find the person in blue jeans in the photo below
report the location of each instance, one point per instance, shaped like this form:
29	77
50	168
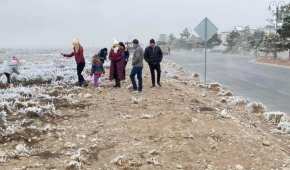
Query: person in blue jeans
137	63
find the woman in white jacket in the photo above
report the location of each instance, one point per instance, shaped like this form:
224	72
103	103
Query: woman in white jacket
9	68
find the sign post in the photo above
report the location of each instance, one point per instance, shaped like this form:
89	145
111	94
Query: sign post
206	30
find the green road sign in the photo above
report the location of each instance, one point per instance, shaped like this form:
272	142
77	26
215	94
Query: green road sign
206	29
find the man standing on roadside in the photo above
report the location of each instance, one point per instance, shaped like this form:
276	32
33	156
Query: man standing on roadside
137	63
153	56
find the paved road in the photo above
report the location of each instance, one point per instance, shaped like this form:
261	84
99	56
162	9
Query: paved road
268	84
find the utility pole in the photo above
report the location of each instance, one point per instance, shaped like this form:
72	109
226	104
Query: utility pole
275	7
205	51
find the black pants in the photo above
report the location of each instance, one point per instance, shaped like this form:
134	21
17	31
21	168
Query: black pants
137	71
8	77
117	83
80	68
116	77
154	67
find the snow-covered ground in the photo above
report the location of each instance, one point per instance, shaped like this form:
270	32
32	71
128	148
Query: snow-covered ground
44	83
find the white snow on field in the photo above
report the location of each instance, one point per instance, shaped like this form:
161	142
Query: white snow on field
30	96
45	68
13	93
50	72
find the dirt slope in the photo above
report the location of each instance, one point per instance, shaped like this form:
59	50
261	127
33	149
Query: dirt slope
178	126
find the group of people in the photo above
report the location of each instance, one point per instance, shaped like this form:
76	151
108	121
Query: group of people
119	57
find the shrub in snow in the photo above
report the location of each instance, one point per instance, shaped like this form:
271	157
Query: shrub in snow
255	107
44	98
17	92
215	86
73	165
10	129
284	126
274	117
195	75
33	112
19	105
39	111
22	150
224	114
225	93
81	155
3	157
200	85
237	100
78	158
6	107
3	120
223	100
118	160
285	118
136	100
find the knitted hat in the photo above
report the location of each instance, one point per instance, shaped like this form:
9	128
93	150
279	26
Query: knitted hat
135	41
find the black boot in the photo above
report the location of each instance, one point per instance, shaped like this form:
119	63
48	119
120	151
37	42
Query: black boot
118	84
159	84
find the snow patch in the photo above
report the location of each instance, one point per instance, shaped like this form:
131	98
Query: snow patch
237	100
284	126
274	117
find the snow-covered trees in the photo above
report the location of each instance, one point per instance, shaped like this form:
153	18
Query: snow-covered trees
284	33
244	40
272	44
232	41
185	34
188	41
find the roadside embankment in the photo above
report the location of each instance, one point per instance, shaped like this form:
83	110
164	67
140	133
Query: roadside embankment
183	125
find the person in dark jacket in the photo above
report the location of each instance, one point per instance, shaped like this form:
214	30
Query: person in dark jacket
78	53
153	56
103	53
125	54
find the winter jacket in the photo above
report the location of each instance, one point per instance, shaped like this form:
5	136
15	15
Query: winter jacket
153	55
103	55
115	57
79	55
137	60
117	65
97	69
126	55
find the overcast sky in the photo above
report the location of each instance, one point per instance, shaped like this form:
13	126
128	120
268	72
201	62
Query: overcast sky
54	23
